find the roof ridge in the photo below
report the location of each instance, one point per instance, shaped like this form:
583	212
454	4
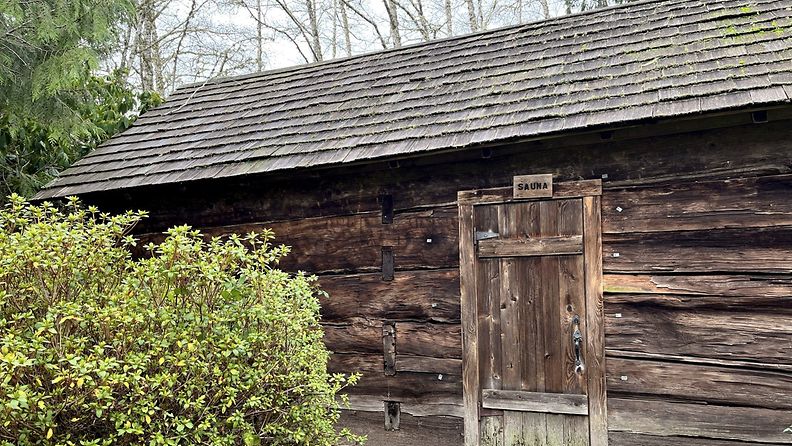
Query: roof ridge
338	60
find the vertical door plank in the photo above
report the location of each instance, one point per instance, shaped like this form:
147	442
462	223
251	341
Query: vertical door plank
576	431
470	363
555	429
572	297
488	304
492	431
530	287
535	428
595	338
510	303
551	333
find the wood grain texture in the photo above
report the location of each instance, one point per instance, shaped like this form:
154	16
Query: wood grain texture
418	239
719	334
743	250
517	400
415	338
435	430
423	386
632	439
418	296
492	431
538	246
670	419
702	383
470	359
772	288
595	318
716	204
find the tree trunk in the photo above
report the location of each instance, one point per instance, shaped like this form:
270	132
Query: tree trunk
449	18
314	27
259	38
393	18
345	24
472	15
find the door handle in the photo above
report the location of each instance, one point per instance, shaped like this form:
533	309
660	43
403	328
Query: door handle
577	341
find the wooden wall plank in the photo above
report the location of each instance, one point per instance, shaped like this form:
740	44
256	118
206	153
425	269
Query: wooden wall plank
439	431
670	419
770	287
733	335
411	363
716	204
403	386
699	383
747	250
425	295
414	338
753	303
631	439
425	238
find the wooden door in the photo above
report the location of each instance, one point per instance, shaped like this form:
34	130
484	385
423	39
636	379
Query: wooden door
532	317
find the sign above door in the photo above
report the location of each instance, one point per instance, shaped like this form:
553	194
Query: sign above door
533	186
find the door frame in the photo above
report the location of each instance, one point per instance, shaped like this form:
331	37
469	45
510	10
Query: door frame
590	191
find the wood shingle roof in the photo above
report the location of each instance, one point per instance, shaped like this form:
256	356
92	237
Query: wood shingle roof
653	59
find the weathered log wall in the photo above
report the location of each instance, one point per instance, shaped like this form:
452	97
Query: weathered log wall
697	241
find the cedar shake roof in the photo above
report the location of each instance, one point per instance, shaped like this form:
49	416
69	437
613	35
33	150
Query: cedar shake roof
653	59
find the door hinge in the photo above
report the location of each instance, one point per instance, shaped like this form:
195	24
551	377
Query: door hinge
486	235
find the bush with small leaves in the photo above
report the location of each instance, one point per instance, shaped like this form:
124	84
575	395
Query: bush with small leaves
201	343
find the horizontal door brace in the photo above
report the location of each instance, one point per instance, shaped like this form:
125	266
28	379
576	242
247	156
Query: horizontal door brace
521	401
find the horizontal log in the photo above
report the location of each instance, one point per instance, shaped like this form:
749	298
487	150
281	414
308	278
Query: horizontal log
630	439
435	430
770	286
407	386
749	250
412	338
410	363
427	295
699	383
538	246
752	303
450	406
555	403
761	337
698	360
671	419
716	204
426	238
420	239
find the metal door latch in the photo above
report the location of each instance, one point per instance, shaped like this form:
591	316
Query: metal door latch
577	340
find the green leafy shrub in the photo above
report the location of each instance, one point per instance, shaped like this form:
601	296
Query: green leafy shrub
201	343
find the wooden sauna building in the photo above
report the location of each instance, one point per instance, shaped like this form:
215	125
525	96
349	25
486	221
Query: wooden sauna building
571	232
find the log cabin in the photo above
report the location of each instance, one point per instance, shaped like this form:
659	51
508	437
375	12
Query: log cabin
576	231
